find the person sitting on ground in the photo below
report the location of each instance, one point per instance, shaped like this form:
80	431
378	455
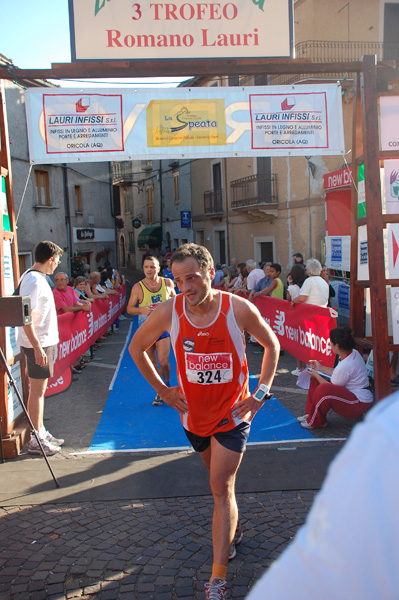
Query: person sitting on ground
276	288
314	289
324	275
81	288
65	297
264	282
348	393
298	276
254	274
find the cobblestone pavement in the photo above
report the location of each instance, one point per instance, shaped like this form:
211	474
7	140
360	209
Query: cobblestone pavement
149	549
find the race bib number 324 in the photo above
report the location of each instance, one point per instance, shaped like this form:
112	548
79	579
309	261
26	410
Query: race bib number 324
209	369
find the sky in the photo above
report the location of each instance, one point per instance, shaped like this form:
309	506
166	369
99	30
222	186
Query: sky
35	33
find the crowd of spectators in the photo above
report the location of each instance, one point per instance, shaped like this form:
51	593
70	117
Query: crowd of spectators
79	294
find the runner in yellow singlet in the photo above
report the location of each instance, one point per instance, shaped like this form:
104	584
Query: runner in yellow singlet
145	296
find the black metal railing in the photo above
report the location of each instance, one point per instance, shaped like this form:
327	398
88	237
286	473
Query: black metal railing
253	190
213	202
319	51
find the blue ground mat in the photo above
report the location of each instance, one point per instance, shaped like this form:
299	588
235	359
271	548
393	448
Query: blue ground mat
130	422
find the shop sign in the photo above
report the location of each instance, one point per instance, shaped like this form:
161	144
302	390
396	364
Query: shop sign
338	179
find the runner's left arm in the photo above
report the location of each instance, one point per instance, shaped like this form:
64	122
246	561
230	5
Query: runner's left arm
249	319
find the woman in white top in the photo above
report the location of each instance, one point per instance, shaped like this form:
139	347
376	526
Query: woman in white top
348	394
314	289
297	277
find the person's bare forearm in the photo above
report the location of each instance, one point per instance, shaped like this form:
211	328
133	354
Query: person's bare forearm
31	335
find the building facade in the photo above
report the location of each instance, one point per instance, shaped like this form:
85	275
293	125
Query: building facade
70	204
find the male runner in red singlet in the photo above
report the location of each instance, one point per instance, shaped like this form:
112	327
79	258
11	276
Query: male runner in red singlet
207	332
146	295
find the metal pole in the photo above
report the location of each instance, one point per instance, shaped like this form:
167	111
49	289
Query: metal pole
14	385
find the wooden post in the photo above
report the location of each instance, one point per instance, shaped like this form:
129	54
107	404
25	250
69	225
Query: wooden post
375	227
14	432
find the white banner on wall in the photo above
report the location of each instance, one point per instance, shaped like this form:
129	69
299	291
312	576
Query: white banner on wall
95	125
115	30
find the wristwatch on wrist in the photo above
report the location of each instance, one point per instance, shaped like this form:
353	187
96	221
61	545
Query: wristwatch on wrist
261	392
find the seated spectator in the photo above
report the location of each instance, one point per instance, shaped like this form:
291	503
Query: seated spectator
96	290
67	300
107	285
348	393
324	275
82	288
314	289
264	282
254	274
65	297
276	288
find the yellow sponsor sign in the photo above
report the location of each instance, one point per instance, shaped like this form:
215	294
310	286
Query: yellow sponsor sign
186	123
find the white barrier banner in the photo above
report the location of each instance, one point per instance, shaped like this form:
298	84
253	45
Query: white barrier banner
115	30
96	125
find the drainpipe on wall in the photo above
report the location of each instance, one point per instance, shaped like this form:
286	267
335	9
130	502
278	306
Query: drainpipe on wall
67	216
161	202
227	213
112	211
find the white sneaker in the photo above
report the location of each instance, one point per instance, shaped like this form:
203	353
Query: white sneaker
216	589
296	372
49	449
303	418
306	425
122	318
50	438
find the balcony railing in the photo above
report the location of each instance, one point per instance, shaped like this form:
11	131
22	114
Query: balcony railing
213	202
319	51
122	172
254	190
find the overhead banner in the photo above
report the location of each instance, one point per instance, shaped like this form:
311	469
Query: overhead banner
115	30
96	125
